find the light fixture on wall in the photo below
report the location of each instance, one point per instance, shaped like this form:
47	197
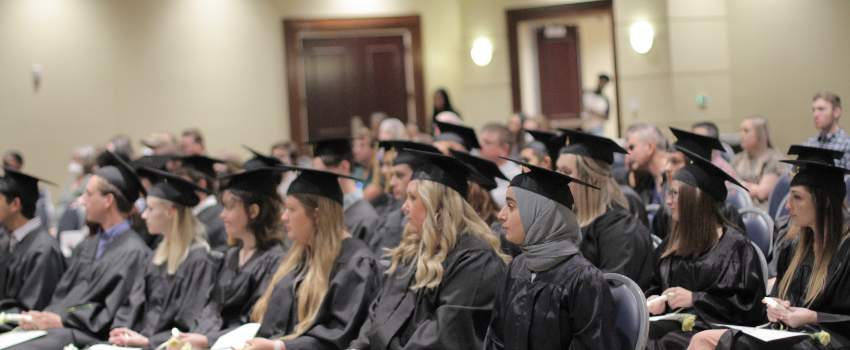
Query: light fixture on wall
641	36
482	52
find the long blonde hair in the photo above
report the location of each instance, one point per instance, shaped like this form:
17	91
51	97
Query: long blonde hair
186	231
448	215
590	203
763	134
824	241
318	259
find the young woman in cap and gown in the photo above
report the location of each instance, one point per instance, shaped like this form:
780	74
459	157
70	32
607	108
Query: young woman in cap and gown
612	238
480	198
320	295
445	273
103	267
813	288
31	262
551	297
706	266
251	214
176	281
703	147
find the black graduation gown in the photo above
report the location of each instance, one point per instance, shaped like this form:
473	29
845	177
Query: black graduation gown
726	282
568	306
617	242
663	220
361	220
236	291
355	280
508	247
454	315
832	306
388	234
30	273
636	206
216	235
384	203
160	302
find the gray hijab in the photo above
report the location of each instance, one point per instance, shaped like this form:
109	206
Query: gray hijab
552	233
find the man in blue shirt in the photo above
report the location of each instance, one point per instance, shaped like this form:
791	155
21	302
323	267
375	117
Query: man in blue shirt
826	109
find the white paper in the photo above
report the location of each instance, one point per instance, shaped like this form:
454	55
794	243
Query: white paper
766	335
10	339
110	347
672	317
236	338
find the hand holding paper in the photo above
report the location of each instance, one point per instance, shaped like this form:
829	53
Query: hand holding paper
679	297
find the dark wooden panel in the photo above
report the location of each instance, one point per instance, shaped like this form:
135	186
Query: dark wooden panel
560	74
327	82
385	77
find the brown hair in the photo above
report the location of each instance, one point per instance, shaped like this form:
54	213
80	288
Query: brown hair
829	234
702	214
591	203
830	97
483	203
265	226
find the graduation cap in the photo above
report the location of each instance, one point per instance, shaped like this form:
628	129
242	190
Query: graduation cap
463	135
259	181
317	182
158	161
486	171
203	164
259	161
442	169
588	145
548	142
705	175
820	175
175	188
547	183
699	144
25	185
403	157
815	154
331	147
120	174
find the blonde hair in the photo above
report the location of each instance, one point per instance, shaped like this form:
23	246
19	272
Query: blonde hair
448	216
763	135
318	259
186	231
590	203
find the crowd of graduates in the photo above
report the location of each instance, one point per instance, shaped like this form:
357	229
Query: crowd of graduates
452	242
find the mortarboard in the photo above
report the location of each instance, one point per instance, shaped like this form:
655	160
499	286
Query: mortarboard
332	147
203	164
259	161
260	181
547	183
121	175
463	135
705	175
442	169
815	154
698	144
588	145
487	169
175	188
402	157
25	185
317	182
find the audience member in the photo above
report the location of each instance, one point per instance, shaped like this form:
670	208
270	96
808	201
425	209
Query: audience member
826	109
758	164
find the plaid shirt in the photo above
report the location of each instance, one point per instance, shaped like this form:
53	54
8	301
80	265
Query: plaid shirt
22	232
838	141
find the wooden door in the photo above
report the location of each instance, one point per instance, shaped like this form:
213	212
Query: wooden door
354	76
560	74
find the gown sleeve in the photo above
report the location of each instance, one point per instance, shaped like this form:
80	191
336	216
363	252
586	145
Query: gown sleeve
131	312
43	270
494	337
345	308
592	312
465	304
622	245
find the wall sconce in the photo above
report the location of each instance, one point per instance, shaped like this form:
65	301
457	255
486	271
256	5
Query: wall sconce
482	52
641	36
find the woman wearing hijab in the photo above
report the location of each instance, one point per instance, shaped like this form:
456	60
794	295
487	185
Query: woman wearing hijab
444	275
706	266
552	298
814	286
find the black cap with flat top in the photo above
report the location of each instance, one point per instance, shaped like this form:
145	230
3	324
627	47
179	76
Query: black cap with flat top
705	176
486	171
547	183
696	143
340	146
120	174
203	164
551	142
24	184
175	188
592	146
260	181
402	157
815	154
259	161
463	135
442	169
815	167
157	161
317	182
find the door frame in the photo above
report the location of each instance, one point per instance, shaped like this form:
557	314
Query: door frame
514	17
294	30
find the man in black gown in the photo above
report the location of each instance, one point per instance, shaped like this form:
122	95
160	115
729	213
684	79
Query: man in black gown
335	155
31	262
200	170
103	268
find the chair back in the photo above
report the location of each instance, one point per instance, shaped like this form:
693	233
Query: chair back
739	197
759	227
782	187
632	315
